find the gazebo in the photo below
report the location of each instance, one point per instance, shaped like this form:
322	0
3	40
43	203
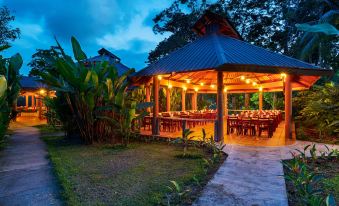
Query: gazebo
220	62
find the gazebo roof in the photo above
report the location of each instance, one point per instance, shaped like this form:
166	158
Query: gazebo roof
220	49
31	83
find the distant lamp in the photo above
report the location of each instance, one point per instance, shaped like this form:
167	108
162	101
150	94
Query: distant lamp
254	84
202	84
225	89
260	89
212	86
184	88
248	81
196	89
242	77
159	77
42	91
170	86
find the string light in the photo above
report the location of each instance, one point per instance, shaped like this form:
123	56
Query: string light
159	77
188	81
248	81
196	89
242	77
212	86
260	88
225	89
202	84
42	91
283	76
254	83
170	86
184	88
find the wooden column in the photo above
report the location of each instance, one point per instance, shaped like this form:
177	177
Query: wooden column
148	95
168	99
247	100
194	100
155	122
220	106
288	107
226	103
183	100
26	98
260	100
33	101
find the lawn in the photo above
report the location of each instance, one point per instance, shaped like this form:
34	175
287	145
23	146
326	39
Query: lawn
136	175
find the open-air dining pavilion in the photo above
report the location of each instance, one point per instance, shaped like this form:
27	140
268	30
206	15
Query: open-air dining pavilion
220	62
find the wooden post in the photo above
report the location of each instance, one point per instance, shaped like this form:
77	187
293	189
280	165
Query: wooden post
226	103
194	100
148	96
260	100
168	99
220	106
247	100
33	101
288	107
183	100
26	98
155	122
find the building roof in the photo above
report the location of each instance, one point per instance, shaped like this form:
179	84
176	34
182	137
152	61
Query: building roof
31	83
105	55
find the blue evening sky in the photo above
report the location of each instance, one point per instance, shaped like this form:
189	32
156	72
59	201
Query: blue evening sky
124	27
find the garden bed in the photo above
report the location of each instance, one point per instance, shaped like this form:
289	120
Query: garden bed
308	133
326	167
137	175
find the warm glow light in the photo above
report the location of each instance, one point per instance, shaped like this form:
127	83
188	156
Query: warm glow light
170	86
254	83
159	77
196	89
42	91
225	89
212	86
283	76
242	77
260	88
184	88
188	81
248	81
202	84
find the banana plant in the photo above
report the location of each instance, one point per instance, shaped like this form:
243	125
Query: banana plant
9	89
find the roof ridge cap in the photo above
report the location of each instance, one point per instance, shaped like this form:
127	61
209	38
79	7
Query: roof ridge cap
218	50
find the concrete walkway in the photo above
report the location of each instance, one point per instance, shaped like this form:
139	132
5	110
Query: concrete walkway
251	176
25	173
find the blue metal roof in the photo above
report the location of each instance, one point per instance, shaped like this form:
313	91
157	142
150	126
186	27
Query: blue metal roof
31	83
105	55
221	52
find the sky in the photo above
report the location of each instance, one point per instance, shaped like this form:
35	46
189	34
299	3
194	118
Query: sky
124	27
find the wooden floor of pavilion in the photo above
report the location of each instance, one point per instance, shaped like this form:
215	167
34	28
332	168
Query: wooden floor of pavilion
278	138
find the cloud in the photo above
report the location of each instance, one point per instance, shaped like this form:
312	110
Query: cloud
114	24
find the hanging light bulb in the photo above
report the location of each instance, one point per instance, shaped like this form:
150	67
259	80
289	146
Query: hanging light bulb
260	89
254	83
188	81
202	84
212	86
184	88
196	89
170	86
248	81
159	77
242	77
225	89
283	76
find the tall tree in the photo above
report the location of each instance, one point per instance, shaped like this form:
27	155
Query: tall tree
7	32
40	62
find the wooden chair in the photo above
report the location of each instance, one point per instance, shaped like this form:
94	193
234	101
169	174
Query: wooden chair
233	125
265	125
147	122
247	127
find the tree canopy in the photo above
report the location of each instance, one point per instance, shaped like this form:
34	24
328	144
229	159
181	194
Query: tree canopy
7	32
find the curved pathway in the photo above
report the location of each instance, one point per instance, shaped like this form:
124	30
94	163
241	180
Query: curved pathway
251	176
25	173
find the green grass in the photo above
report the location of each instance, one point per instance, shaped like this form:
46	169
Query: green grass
113	175
46	129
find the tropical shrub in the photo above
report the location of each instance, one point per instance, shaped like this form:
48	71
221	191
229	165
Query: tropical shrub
98	103
9	90
306	181
319	108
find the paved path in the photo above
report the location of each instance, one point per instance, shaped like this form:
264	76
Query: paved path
251	176
25	173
